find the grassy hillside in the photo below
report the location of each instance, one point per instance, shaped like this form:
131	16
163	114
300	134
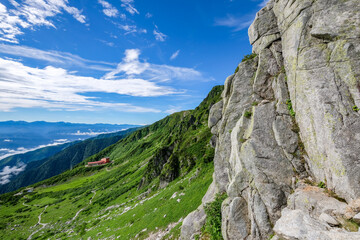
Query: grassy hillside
159	175
61	161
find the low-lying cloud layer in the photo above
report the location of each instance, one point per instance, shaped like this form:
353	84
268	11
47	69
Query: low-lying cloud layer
9	172
91	133
6	152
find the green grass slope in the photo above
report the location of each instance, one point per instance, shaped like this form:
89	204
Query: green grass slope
159	174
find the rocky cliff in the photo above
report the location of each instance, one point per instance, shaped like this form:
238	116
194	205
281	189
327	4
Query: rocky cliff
287	130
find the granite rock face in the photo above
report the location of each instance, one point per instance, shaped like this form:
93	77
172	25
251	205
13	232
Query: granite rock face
288	119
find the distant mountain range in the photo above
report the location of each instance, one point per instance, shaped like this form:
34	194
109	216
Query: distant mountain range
20	136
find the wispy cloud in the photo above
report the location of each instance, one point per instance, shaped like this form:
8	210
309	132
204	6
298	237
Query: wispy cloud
159	36
55	57
148	15
108	9
57	89
263	3
173	109
174	55
110	44
129	6
9	172
236	23
130	28
32	13
131	66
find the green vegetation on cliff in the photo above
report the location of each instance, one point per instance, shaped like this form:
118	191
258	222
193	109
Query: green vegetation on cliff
159	174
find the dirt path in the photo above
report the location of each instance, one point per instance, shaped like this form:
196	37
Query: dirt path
78	212
94	192
38	223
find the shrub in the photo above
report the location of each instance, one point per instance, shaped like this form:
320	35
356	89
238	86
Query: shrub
247	114
237	69
249	57
213	217
321	185
355	108
2	225
291	110
81	229
334	195
350	225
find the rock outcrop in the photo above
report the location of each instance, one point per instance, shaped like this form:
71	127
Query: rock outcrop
288	119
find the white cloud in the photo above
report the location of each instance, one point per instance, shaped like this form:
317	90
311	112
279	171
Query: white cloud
131	66
9	172
173	109
159	36
55	88
263	3
91	133
56	57
108	9
110	44
129	6
6	152
148	15
122	16
174	55
130	28
8	140
235	23
13	2
31	13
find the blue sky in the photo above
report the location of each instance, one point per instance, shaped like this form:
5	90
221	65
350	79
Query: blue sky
116	61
